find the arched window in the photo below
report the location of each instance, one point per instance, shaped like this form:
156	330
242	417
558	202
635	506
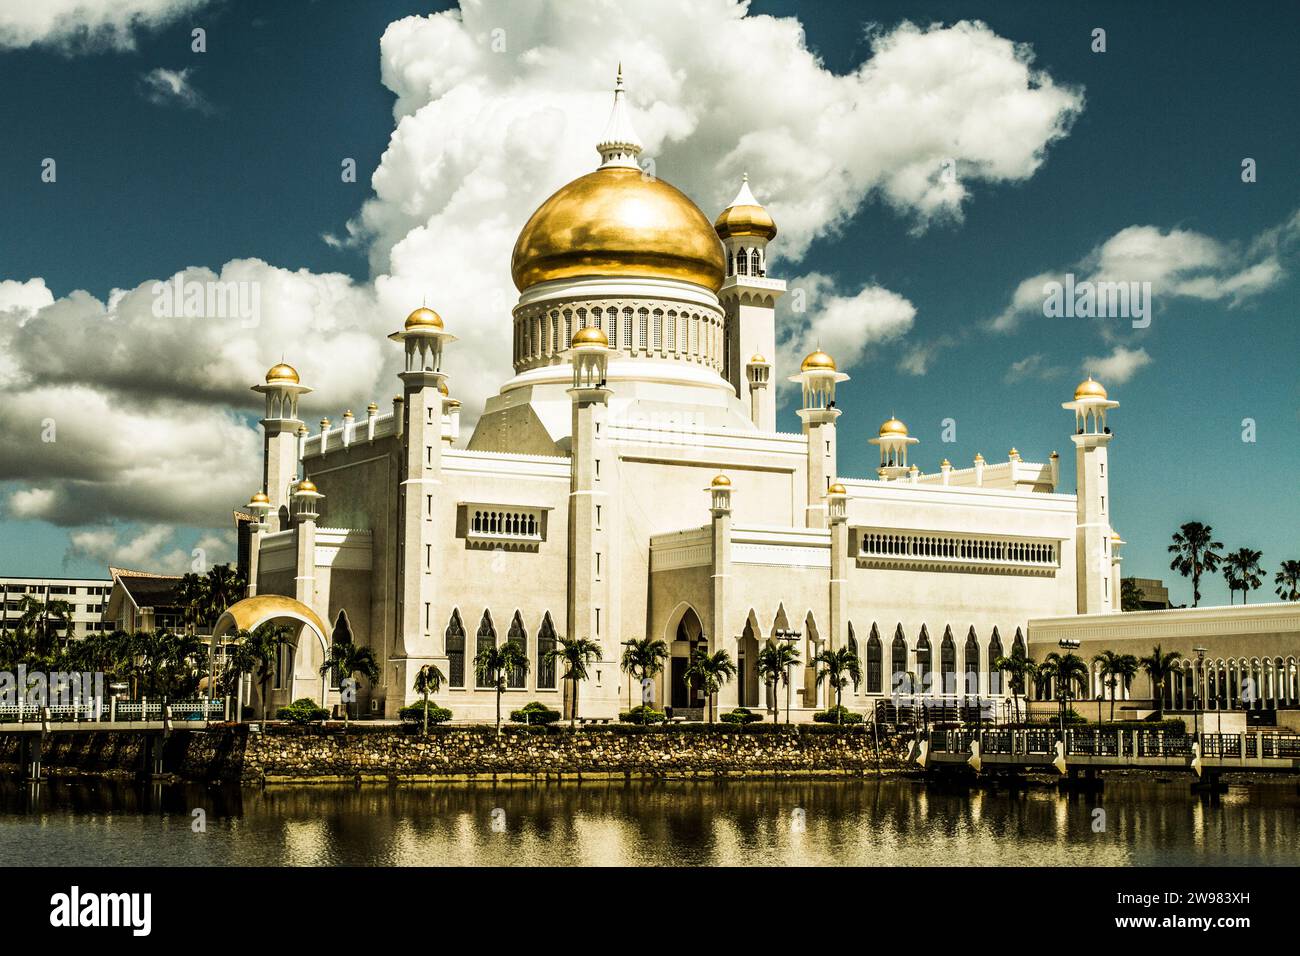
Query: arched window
627	329
1018	645
995	652
545	644
898	663
948	663
742	263
874	662
856	651
754	266
658	340
486	641
455	638
519	637
971	659
925	662
643	322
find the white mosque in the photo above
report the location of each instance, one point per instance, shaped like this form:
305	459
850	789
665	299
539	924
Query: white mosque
629	481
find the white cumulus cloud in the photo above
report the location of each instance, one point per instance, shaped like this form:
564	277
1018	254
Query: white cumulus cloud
1117	367
85	24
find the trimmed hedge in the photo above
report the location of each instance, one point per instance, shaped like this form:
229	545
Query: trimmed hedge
414	714
741	715
304	710
643	714
837	715
534	713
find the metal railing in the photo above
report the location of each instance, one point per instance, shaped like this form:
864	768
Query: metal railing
94	711
1136	744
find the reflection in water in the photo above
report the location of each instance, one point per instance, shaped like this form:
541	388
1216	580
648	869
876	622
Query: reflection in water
869	822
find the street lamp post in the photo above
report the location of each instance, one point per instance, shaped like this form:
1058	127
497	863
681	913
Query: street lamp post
1196	691
1063	686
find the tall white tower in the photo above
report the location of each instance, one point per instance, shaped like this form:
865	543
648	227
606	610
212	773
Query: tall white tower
818	376
1092	536
748	299
280	445
422	337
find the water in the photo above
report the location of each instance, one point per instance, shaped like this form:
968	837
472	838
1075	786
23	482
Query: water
891	822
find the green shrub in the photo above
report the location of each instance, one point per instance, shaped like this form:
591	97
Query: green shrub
741	715
534	713
837	715
414	714
304	710
643	714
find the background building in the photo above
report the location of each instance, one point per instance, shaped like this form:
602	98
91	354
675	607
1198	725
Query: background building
85	596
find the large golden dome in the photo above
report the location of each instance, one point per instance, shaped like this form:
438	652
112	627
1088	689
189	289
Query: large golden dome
618	222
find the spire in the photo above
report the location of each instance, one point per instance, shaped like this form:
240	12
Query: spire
744	197
619	145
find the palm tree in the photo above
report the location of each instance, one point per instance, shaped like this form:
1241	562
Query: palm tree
346	661
774	663
710	671
1116	669
1288	581
255	653
642	659
1159	666
429	680
491	666
1068	673
191	596
578	654
1019	667
1243	573
41	621
838	667
223	586
1195	552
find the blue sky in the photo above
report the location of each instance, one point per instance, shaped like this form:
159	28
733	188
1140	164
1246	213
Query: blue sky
248	168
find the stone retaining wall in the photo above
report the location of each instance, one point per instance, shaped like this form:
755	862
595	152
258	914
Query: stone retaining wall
310	753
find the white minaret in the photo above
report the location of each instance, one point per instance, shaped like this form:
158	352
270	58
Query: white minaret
280	445
818	376
419	499
1116	542
893	441
1092	539
748	299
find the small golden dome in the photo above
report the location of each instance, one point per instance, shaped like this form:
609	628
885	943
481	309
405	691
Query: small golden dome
443	390
1114	536
979	457
745	221
837	489
721	481
817	361
757	359
893	429
945	463
348	414
423	318
372	407
281	373
307	485
617	222
1089	388
1013	455
745	216
259	499
590	335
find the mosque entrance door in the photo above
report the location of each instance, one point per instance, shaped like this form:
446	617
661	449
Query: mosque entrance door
681	697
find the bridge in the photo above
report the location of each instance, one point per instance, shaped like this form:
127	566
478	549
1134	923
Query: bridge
1096	749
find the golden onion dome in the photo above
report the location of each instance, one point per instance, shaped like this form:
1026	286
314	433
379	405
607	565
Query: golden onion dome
423	318
307	485
281	373
590	335
945	463
617	222
745	216
259	499
1089	388
745	221
817	361
893	429
837	489
721	481
979	457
